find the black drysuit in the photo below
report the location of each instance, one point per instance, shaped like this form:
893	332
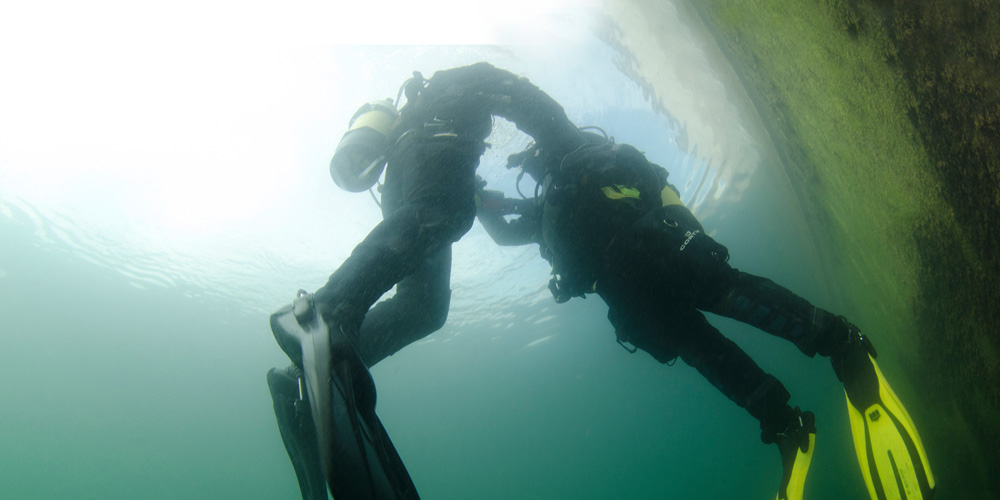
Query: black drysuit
429	203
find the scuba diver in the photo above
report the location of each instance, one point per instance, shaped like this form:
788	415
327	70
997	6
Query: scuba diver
609	222
430	149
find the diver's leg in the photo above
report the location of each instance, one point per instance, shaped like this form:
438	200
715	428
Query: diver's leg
688	333
419	308
889	448
420	304
437	208
735	374
692	268
667	333
774	309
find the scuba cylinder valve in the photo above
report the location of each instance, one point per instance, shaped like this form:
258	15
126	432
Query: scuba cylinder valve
361	155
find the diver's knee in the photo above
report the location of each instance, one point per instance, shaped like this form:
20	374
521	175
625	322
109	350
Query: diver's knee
452	220
437	319
426	312
437	313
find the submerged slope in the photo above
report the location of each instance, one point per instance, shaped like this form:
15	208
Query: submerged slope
885	122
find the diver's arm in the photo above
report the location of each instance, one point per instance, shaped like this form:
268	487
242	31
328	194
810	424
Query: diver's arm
510	233
490	211
494	91
535	113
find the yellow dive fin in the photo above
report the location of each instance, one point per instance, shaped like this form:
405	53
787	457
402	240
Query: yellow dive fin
794	479
892	458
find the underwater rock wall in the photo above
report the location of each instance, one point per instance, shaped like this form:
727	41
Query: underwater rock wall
948	54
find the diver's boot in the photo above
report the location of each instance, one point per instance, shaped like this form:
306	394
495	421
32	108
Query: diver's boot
297	431
790	428
795	442
890	453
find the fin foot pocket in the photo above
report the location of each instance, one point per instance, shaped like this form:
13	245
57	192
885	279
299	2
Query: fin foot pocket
796	445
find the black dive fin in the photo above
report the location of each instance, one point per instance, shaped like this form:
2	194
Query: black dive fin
357	456
297	432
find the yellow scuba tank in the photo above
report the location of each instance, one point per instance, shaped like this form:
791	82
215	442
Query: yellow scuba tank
361	155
